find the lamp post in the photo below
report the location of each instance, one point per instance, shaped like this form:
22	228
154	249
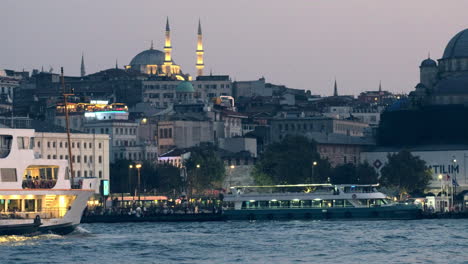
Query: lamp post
314	163
454	180
231	168
130	167
138	167
440	177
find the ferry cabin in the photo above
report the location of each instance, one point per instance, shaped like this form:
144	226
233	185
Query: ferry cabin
311	201
32	187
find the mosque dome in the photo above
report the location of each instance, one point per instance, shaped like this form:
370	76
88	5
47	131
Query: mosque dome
428	63
457	46
148	57
185	87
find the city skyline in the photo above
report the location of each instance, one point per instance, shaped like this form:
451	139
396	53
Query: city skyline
300	45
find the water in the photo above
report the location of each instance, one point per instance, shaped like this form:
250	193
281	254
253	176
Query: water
417	241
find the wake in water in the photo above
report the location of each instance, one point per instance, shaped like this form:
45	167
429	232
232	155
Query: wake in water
25	240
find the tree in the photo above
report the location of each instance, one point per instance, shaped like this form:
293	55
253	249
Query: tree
406	172
161	178
344	174
349	173
205	169
291	162
366	174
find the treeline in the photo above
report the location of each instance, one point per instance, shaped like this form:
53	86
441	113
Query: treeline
295	160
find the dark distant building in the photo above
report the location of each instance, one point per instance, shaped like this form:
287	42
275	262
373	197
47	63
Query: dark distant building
445	82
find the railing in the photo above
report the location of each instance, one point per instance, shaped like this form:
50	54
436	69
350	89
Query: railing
48	213
38	184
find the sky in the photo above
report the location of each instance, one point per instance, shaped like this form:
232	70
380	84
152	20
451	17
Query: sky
303	44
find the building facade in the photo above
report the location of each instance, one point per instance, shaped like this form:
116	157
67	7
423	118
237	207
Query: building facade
90	152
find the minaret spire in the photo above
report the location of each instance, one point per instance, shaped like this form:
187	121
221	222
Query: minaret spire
168	49
335	89
116	63
380	86
83	71
200	64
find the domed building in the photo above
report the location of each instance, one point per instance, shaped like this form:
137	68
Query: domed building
445	82
159	63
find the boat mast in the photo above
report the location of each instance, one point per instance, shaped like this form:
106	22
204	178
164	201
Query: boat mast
65	96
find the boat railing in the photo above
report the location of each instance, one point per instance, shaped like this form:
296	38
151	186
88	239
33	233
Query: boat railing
46	213
262	195
39	183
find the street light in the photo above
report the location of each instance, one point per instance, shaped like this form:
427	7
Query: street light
231	168
314	163
440	179
138	167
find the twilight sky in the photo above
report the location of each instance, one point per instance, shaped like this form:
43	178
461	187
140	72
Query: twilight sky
299	43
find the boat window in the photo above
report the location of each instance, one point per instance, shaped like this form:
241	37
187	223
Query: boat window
2	206
37	176
338	203
362	202
274	204
285	204
14	205
23	142
306	203
348	204
327	203
5	145
8	174
295	203
263	204
31	143
29	205
317	203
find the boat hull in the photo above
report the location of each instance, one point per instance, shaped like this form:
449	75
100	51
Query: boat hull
19	229
378	213
60	229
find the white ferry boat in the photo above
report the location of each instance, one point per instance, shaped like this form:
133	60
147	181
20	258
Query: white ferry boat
36	194
313	201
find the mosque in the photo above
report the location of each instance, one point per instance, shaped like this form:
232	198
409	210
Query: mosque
445	82
160	63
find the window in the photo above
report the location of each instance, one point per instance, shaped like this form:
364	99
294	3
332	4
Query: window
84	145
86	173
48	144
90	145
99	145
73	144
61	145
53	144
100	174
54	157
78	144
78	159
61	156
38	144
8	175
100	159
78	173
90	159
48	156
85	159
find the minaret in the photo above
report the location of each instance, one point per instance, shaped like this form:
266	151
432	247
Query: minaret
380	87
83	72
200	52
168	49
335	90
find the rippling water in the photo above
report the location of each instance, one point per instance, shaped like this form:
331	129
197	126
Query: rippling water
417	241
